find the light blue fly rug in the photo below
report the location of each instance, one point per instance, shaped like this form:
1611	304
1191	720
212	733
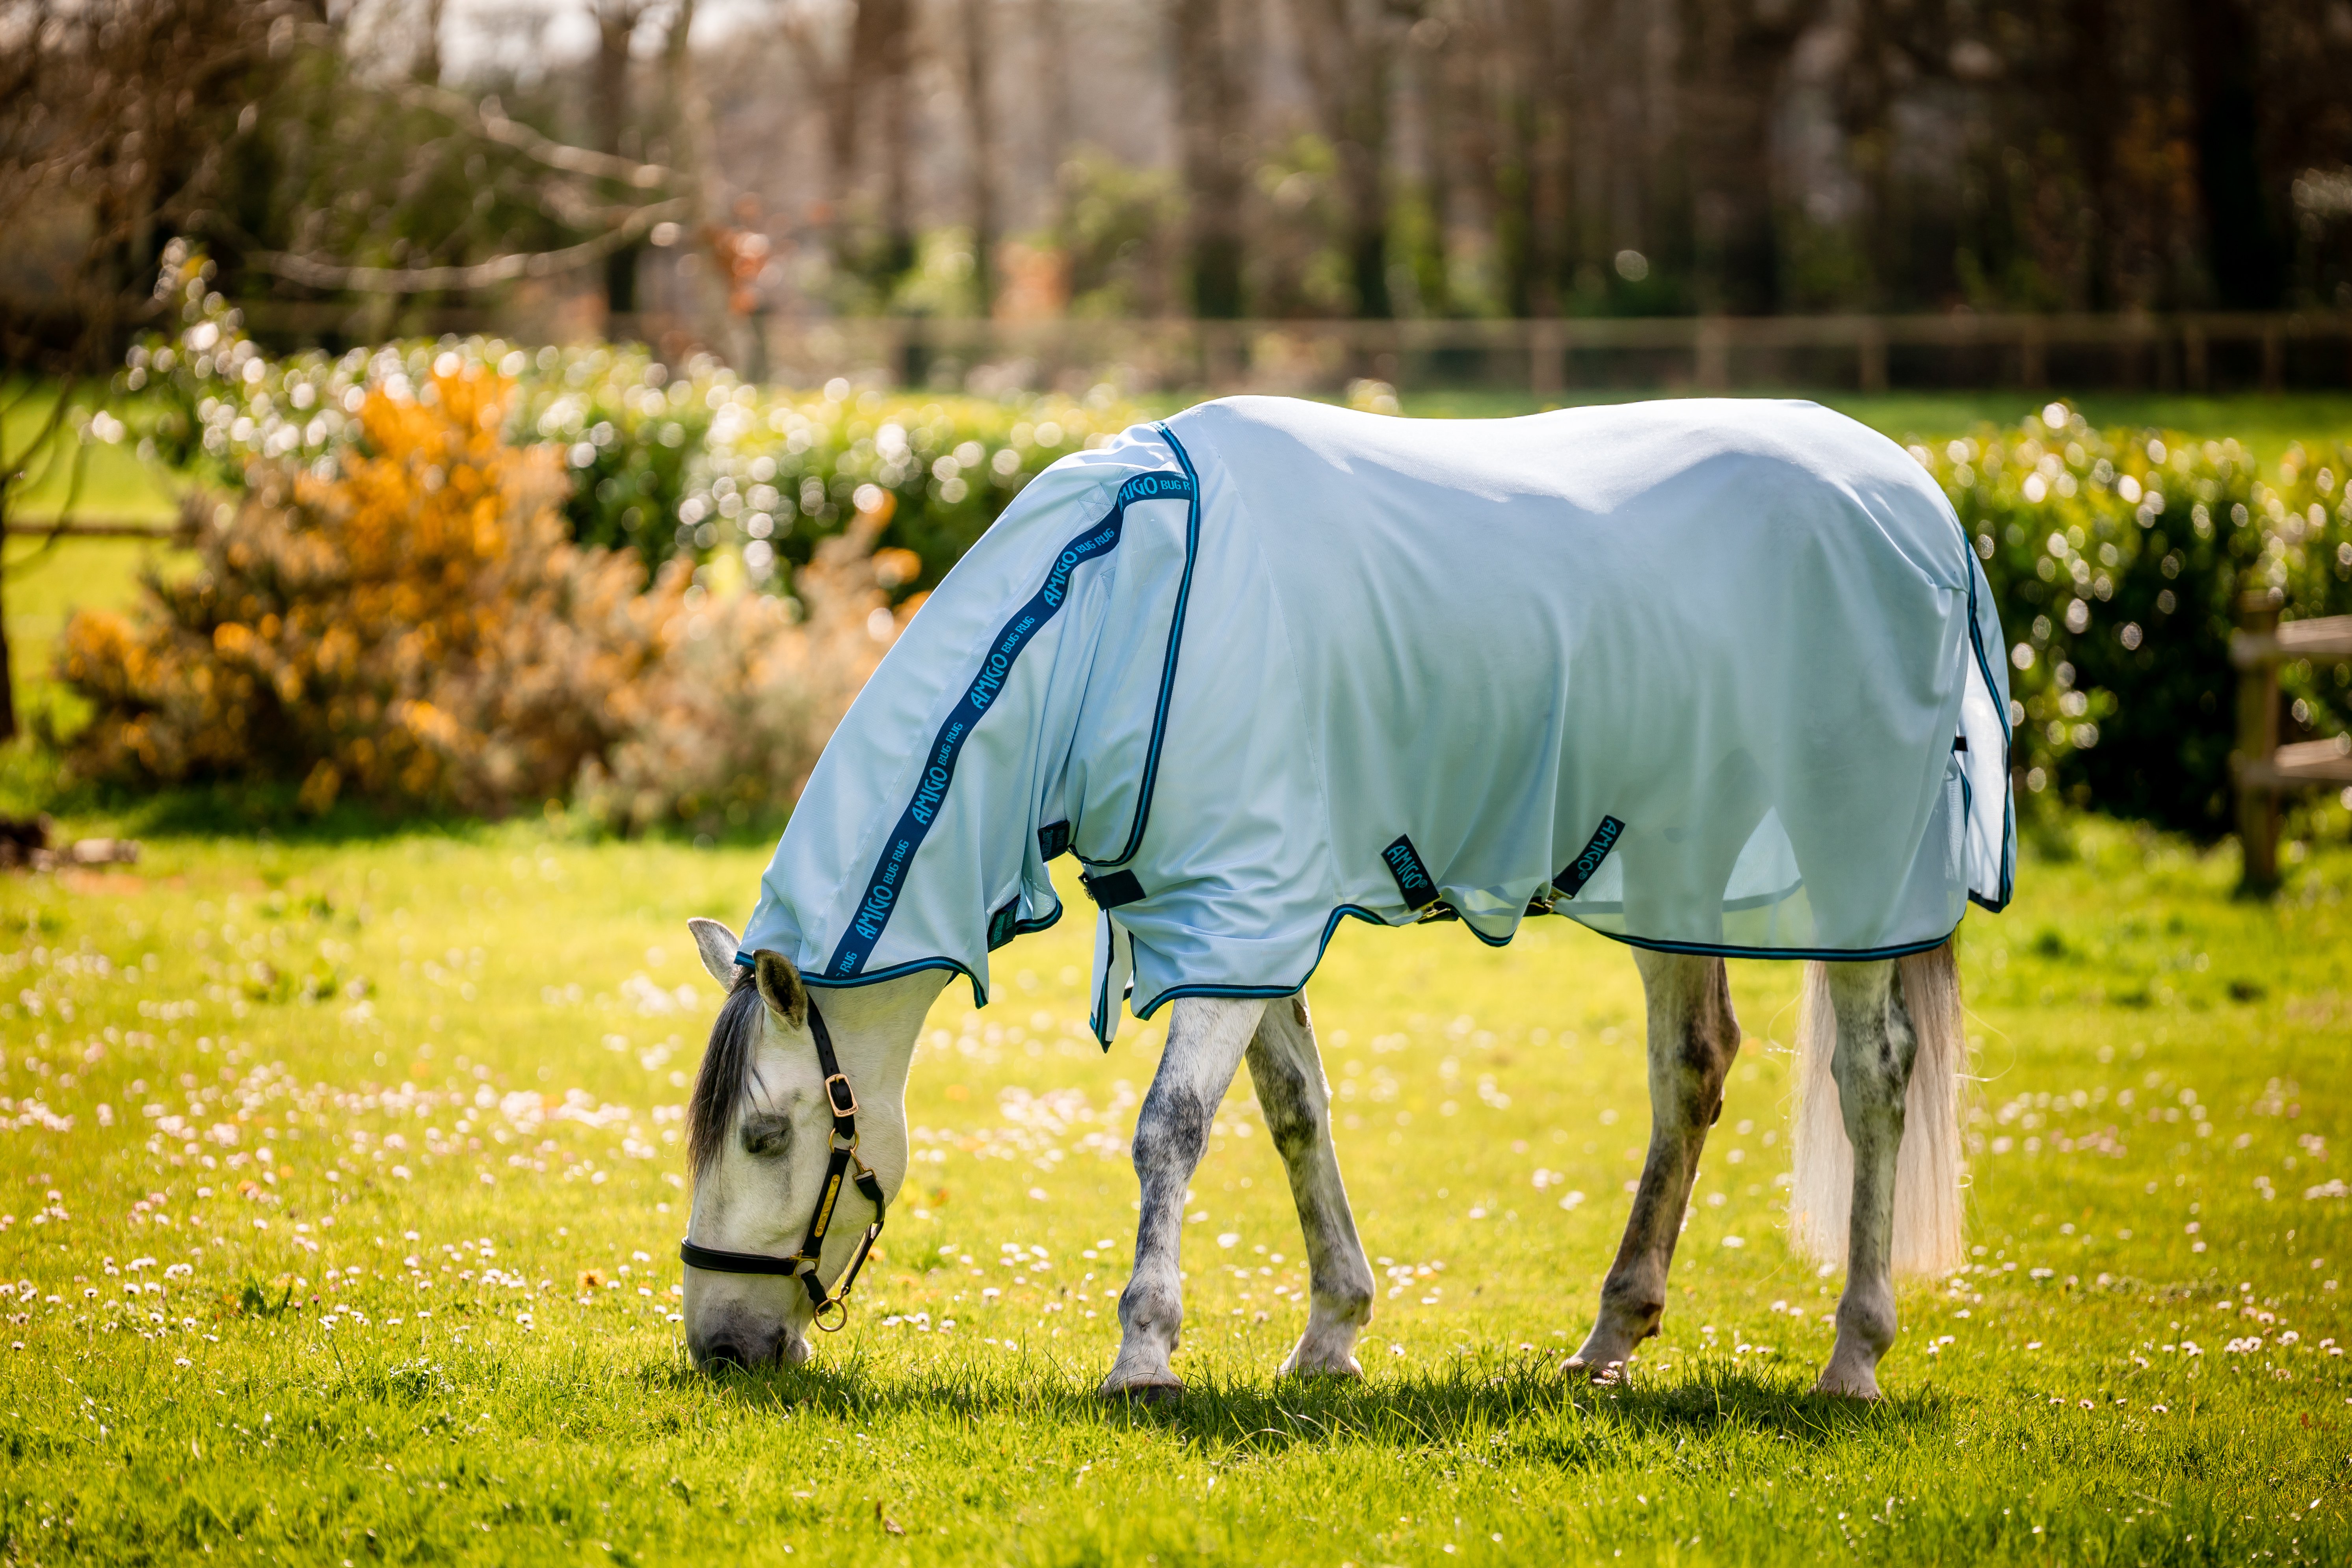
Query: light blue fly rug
1707	675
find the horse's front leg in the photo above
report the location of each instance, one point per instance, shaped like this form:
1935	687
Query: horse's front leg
1693	1037
1872	1066
1206	1038
1287	1070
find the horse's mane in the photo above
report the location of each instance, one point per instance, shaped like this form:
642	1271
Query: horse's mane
726	1072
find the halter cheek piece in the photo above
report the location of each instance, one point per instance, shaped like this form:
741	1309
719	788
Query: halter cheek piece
841	1161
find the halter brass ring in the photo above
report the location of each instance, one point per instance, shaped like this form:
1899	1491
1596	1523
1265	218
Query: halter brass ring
840	1316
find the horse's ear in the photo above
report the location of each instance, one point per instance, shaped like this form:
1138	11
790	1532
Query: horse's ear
717	947
780	987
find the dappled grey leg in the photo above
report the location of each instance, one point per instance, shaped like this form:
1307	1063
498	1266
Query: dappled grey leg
1288	1070
1876	1047
1693	1037
1206	1038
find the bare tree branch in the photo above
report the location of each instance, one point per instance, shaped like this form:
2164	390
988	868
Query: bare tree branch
490	121
313	272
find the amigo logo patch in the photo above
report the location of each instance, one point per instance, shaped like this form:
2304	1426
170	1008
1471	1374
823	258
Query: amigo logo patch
1579	872
1412	878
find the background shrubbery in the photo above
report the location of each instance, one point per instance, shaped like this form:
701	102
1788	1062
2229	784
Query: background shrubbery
675	583
405	619
2117	558
695	464
458	576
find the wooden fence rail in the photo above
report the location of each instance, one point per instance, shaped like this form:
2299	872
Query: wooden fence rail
100	528
2263	769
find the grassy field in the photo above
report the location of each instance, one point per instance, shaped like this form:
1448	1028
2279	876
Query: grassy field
342	1188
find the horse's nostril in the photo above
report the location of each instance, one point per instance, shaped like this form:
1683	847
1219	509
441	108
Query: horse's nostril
725	1354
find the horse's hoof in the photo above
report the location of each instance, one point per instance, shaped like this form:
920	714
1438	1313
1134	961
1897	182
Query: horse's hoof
1860	1385
1153	1394
1603	1375
1344	1367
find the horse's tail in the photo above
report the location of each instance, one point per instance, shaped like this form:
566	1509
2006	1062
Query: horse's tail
1928	1176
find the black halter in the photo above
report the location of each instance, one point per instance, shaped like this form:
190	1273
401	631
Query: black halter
841	1161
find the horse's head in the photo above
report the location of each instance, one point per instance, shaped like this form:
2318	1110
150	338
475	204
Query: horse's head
759	1134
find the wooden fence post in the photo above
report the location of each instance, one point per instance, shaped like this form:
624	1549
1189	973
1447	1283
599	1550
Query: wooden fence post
1870	353
1711	362
1546	349
2255	652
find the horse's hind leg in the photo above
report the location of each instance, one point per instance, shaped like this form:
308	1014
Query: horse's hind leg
1872	1066
1693	1038
1287	1070
1206	1038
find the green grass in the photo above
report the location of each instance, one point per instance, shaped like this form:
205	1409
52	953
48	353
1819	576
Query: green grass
2165	1083
114	484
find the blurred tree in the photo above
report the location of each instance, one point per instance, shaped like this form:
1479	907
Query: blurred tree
1348	47
2243	240
617	29
116	118
427	65
1049	27
979	117
857	56
1213	105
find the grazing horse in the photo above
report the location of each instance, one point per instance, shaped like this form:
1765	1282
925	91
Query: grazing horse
1716	678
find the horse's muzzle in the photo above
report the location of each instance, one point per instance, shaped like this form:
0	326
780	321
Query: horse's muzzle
737	1345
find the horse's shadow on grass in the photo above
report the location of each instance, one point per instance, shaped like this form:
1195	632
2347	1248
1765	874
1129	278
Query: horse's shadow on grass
1529	1404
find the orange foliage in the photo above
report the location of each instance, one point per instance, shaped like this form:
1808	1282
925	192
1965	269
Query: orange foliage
416	629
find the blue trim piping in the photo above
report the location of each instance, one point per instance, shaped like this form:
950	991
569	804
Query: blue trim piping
2007	742
1703	950
896	862
1175	644
895	972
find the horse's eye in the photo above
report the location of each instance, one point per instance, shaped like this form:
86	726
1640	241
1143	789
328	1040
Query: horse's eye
765	1136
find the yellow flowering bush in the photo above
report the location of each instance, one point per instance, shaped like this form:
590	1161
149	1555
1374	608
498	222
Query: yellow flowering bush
416	629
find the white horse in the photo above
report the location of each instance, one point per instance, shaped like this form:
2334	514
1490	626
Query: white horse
1795	743
1876	1139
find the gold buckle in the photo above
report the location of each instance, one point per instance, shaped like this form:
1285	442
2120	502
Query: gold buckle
840	1319
839	1108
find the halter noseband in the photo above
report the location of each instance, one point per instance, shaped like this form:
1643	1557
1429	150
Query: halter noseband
841	1161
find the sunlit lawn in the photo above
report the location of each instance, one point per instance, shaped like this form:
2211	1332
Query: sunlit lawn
343	1191
92	479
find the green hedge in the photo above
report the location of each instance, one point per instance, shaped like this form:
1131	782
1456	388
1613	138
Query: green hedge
2117	558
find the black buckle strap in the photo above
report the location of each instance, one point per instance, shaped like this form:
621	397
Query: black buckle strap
710	1259
840	1163
1112	889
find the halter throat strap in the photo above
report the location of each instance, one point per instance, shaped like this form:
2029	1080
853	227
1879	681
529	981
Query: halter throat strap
842	1165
